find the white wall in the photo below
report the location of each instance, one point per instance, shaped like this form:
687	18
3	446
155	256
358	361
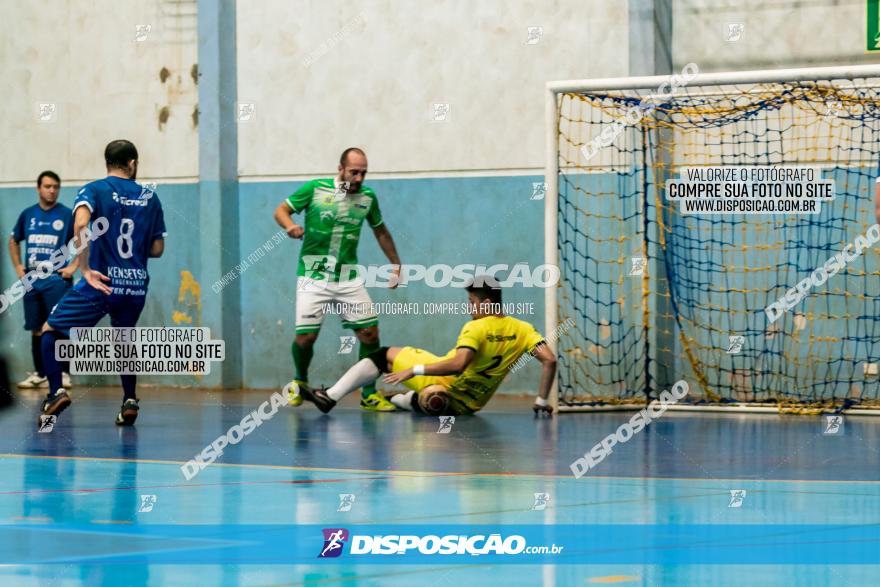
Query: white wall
778	33
83	58
385	63
392	59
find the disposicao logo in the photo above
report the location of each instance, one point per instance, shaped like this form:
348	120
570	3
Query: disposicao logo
334	539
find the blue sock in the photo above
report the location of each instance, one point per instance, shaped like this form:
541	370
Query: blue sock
129	382
37	355
50	365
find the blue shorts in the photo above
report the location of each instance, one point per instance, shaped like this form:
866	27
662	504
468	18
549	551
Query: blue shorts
38	302
84	306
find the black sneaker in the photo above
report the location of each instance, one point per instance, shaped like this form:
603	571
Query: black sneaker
318	397
128	413
54	405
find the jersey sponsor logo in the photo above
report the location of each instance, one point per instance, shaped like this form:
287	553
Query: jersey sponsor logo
58	224
33	222
130	201
126	272
327	216
500	337
467	384
42	239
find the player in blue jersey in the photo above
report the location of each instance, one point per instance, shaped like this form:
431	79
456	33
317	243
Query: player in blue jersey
114	267
45	228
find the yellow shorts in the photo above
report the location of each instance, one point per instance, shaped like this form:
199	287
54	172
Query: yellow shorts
411	356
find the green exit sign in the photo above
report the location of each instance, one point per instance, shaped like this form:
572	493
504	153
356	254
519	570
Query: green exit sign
873	17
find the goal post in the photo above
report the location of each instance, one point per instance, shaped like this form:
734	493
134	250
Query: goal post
649	295
551	206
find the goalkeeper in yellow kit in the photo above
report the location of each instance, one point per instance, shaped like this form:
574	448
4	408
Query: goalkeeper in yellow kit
462	381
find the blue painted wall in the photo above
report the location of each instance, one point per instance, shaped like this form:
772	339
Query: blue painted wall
484	220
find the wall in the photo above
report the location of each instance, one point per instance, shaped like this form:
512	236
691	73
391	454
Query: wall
325	75
778	34
448	193
103	84
451	192
385	64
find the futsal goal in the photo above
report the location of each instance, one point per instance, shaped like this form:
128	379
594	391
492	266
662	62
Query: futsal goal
649	295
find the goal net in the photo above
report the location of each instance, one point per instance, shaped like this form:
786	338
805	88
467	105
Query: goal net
650	295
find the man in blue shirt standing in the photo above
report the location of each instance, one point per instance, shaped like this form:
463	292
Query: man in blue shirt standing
45	228
113	266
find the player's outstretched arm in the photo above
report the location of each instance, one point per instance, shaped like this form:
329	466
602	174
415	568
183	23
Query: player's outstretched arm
284	218
452	366
548	372
96	279
386	243
69	270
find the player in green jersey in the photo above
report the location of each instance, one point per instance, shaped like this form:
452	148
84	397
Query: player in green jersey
335	209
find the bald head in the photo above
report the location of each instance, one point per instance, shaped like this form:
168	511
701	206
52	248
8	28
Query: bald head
353	168
343	159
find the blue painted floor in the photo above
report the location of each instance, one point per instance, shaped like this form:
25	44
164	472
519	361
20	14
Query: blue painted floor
69	499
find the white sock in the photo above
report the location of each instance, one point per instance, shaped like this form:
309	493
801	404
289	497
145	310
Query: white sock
403	400
362	373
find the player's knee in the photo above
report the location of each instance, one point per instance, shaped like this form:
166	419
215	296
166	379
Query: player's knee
306	339
380	359
46	328
368	335
433	400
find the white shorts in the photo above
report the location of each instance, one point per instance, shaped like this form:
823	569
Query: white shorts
349	299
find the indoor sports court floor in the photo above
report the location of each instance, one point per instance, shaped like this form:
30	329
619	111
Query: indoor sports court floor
69	499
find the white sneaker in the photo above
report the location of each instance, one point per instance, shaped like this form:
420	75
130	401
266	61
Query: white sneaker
33	381
65	380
